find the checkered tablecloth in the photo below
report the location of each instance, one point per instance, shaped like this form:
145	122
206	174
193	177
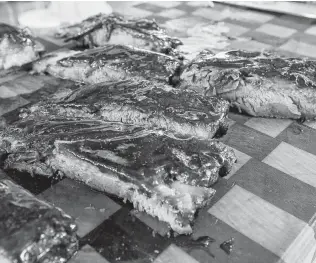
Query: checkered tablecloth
291	36
267	203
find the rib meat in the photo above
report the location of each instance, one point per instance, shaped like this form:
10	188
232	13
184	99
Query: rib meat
166	177
101	29
93	135
110	63
258	84
144	103
17	47
32	230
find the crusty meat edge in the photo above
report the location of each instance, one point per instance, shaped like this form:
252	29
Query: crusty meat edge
154	205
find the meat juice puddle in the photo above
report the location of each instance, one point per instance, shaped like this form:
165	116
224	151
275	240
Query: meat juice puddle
201	243
188	244
204	243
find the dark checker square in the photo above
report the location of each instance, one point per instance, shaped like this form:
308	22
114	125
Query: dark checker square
278	188
299	23
150	7
264	38
35	184
250	25
124	238
249	141
305	38
300	136
187	8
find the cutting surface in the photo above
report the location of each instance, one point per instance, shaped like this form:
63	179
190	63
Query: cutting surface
267	203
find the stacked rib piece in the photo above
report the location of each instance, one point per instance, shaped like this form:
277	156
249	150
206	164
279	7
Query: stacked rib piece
143	141
127	130
101	29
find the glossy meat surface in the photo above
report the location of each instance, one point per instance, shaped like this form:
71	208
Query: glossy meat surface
42	64
166	175
111	63
32	139
148	104
101	29
258	84
32	230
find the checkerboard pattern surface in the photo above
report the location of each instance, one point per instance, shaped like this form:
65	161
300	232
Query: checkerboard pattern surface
267	204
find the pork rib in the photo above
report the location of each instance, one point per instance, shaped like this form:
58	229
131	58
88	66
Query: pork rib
110	63
102	29
258	84
166	177
148	104
32	229
81	135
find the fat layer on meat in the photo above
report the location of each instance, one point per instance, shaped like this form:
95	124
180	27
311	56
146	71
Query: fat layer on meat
255	83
